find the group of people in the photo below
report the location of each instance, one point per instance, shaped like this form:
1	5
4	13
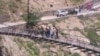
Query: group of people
48	31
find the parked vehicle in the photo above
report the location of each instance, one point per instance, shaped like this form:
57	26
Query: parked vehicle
61	13
71	12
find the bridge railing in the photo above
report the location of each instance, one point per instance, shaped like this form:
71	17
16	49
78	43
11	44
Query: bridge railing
65	41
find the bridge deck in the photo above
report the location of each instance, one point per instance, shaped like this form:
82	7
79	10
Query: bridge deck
62	41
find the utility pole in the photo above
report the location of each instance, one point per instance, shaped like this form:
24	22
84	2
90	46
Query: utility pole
28	16
28	10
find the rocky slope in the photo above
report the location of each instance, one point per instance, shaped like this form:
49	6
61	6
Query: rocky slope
13	10
19	46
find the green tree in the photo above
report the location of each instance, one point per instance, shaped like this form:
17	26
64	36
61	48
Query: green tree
31	19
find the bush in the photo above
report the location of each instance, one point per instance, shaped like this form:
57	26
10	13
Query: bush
76	54
18	0
92	35
77	1
34	49
13	6
1	4
31	19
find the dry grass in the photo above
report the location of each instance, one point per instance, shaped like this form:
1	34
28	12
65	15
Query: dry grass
77	1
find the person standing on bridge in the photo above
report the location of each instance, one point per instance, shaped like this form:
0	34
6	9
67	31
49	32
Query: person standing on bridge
47	32
52	32
43	30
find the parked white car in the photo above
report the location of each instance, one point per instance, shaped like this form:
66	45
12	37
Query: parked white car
61	12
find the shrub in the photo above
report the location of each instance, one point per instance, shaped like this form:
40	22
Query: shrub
31	19
92	35
77	1
76	54
1	4
13	6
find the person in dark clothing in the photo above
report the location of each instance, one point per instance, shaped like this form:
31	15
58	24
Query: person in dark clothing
47	33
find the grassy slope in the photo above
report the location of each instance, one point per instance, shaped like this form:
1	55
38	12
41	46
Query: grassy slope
92	35
33	50
77	1
29	47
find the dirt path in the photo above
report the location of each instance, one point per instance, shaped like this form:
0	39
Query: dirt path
7	24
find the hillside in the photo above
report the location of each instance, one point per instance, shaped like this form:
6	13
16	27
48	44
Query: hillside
13	10
81	28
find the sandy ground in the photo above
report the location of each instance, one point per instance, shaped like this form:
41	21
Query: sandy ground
44	5
13	48
7	24
70	23
67	27
80	52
